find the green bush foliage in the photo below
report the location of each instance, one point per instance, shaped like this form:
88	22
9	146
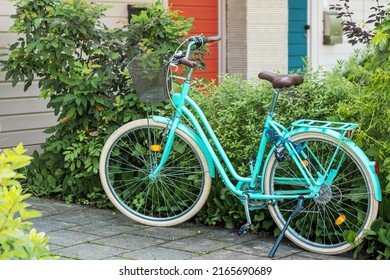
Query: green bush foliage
369	105
17	240
81	67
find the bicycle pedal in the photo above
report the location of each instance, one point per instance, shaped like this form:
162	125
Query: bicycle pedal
244	229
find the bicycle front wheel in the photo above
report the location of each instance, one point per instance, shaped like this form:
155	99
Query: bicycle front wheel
346	202
181	187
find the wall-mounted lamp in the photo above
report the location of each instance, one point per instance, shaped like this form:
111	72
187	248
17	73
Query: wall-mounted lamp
333	28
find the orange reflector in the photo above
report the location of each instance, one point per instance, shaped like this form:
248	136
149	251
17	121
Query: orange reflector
349	133
155	148
341	219
305	162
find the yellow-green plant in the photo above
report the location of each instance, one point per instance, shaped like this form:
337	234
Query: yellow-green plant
17	240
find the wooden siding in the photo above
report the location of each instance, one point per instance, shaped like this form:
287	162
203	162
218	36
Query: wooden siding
205	14
23	116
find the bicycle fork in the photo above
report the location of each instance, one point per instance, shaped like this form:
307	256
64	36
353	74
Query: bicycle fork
167	149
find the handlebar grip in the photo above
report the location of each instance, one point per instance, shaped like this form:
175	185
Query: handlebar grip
211	39
187	62
200	41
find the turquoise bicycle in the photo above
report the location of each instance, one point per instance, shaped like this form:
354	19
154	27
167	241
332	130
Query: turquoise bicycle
317	184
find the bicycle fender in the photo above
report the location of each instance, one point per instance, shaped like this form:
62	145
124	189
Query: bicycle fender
187	130
350	144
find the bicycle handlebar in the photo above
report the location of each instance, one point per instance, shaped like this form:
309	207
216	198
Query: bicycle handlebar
187	62
200	41
196	41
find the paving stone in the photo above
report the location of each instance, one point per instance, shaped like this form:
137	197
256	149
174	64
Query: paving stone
227	235
84	232
105	228
69	237
227	255
50	206
168	233
82	217
314	256
122	219
159	253
196	245
129	241
48	225
89	251
53	247
262	247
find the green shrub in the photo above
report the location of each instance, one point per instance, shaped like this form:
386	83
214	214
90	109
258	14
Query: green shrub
377	242
17	240
81	67
369	106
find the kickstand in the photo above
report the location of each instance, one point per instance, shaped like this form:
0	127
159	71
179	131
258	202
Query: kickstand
280	237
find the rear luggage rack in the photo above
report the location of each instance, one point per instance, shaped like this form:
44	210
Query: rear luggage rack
340	126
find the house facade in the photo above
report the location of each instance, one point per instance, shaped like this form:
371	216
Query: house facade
256	35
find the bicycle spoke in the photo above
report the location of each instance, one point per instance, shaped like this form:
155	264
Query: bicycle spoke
177	188
343	203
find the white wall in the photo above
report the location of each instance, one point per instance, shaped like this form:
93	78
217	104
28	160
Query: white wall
23	116
267	36
326	56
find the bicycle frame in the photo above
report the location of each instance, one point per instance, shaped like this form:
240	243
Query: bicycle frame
181	100
312	185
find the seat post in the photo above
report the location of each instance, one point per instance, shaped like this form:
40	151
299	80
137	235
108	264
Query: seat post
273	103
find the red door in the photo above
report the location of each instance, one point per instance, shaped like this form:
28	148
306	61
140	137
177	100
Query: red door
205	14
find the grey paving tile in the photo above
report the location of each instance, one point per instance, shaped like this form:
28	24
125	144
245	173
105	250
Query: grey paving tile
105	228
89	251
84	232
51	207
227	235
227	255
314	256
82	217
196	245
69	238
159	253
122	219
262	247
53	247
48	225
167	233
129	241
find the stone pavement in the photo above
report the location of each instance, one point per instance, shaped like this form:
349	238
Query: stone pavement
87	233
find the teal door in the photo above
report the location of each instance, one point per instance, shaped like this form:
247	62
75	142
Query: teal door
297	38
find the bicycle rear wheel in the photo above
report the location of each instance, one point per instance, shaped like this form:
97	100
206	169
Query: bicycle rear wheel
346	204
180	189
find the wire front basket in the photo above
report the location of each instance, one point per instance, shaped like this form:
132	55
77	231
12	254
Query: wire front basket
150	75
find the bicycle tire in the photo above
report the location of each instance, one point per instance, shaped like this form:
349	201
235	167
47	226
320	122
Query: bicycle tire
348	204
180	189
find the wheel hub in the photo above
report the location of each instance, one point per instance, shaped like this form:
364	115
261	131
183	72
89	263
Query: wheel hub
324	195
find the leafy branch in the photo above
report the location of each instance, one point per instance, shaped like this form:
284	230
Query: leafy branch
355	32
